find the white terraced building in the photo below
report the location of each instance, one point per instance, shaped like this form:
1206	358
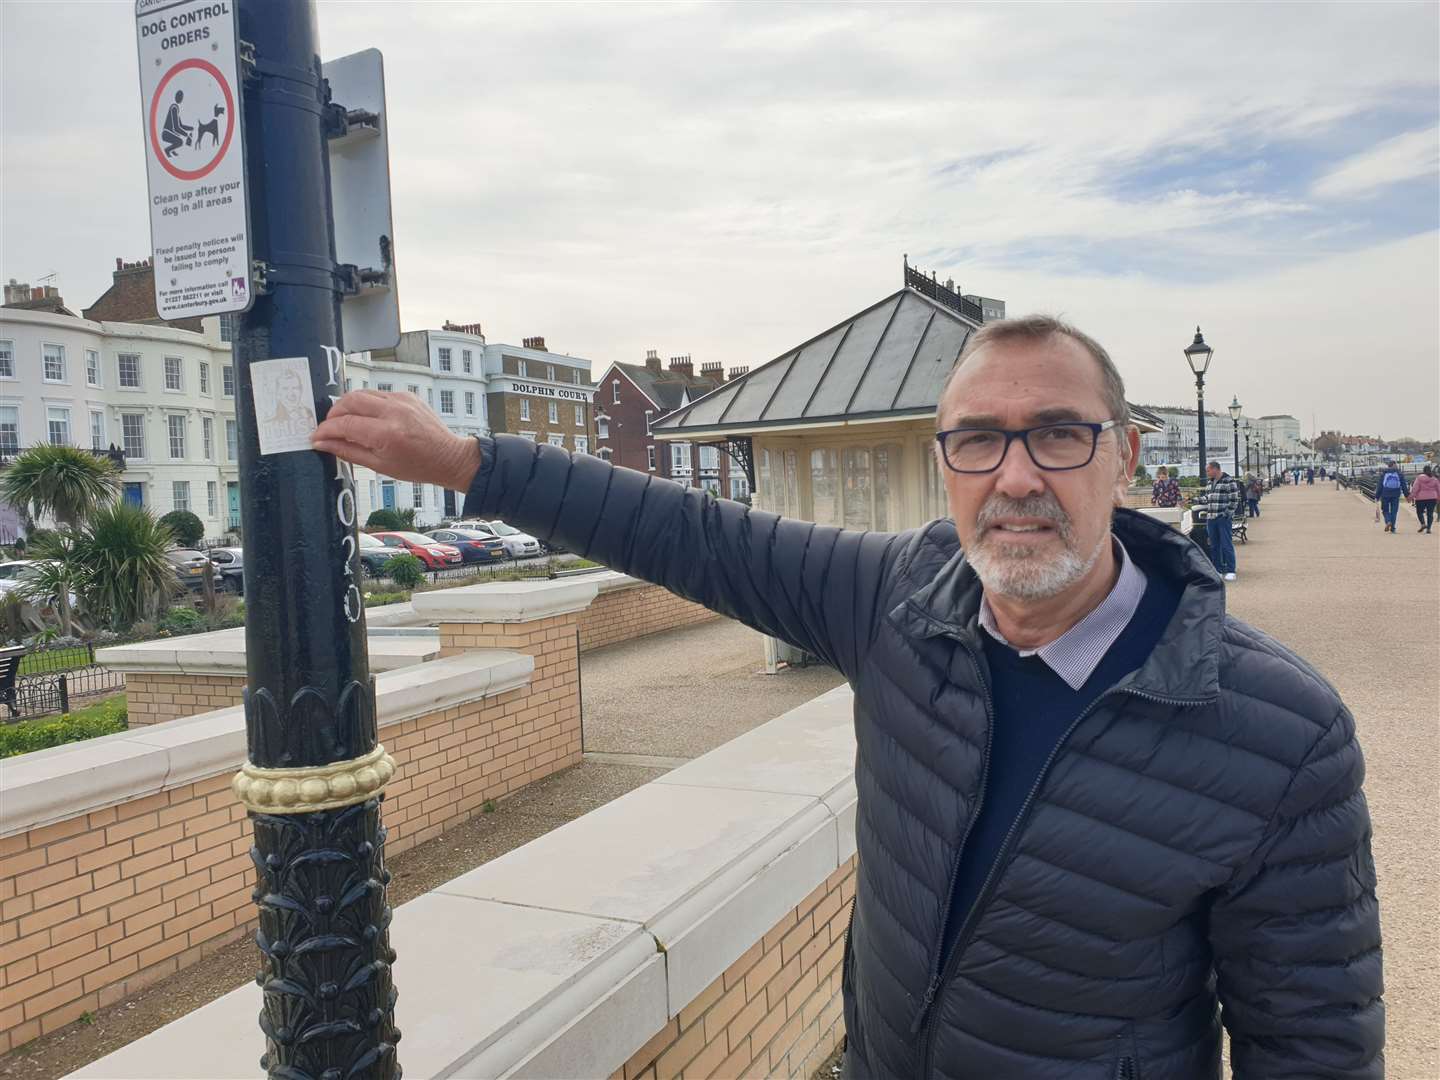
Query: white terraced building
162	396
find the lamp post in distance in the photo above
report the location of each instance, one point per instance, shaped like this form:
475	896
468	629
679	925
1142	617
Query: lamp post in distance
1198	356
1235	424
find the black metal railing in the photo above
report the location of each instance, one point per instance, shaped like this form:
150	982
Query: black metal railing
929	286
49	693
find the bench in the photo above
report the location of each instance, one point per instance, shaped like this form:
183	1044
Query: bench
10	659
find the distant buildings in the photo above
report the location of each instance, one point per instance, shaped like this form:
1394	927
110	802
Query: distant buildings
632	396
162	395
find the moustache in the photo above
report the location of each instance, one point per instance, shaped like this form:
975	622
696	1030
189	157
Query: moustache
1044	507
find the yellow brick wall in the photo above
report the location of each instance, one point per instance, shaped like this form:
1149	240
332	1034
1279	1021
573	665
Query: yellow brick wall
96	907
775	1012
622	614
153	697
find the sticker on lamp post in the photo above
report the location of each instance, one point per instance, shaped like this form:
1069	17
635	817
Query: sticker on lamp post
284	404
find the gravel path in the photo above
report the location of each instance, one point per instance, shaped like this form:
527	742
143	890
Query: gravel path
652	698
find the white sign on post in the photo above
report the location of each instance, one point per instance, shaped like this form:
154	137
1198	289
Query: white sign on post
194	156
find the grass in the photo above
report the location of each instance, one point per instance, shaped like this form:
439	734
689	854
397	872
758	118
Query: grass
102	718
51	660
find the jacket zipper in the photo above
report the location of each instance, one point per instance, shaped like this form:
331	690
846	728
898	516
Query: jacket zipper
932	987
1002	856
1125	1069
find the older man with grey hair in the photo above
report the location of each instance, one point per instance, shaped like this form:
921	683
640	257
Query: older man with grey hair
1098	817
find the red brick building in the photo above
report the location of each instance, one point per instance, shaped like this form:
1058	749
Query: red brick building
131	299
630	397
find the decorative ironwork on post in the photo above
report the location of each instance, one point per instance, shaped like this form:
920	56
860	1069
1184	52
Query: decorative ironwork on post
741	451
315	774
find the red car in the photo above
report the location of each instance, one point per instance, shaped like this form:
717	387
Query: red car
435	556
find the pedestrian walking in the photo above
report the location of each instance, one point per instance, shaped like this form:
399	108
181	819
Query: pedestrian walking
1222	501
1310	476
1166	489
1390	487
1098	817
1424	493
1254	488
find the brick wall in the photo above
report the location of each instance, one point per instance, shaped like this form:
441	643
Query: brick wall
96	907
775	1012
622	614
152	697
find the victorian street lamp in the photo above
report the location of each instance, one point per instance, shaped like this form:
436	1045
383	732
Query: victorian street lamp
1247	446
1235	425
1198	355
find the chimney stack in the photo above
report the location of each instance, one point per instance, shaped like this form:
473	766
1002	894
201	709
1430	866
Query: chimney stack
536	343
736	372
681	365
652	361
713	370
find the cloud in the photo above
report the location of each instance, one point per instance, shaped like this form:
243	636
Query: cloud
1404	157
726	180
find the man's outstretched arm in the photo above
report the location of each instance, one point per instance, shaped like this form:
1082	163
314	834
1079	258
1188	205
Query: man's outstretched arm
813	586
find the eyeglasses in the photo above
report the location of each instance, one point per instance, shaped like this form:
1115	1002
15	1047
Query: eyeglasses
1052	447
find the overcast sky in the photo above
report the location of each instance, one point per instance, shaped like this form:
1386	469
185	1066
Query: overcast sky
729	180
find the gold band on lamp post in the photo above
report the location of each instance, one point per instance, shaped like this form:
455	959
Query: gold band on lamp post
316	787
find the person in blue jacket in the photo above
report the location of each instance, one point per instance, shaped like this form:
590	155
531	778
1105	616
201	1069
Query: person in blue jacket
1098	817
1390	487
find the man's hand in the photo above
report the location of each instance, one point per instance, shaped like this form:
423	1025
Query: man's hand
400	436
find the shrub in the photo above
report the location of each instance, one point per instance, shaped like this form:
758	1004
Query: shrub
122	549
1142	474
406	571
380	599
188	529
182	620
383	520
106	718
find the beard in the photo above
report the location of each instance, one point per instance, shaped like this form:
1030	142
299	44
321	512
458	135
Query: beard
1023	571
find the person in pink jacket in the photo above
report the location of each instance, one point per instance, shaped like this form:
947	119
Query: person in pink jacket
1423	493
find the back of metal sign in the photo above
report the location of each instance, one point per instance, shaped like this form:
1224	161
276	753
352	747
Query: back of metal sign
360	194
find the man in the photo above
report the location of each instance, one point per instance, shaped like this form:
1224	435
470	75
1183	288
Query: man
175	131
1096	815
1222	501
1390	486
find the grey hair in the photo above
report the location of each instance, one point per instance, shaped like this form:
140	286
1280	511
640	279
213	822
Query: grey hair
1038	328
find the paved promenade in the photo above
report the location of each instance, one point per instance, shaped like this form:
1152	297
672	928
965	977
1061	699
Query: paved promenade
1363	607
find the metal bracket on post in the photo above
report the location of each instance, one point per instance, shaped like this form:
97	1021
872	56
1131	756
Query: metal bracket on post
260	277
249	68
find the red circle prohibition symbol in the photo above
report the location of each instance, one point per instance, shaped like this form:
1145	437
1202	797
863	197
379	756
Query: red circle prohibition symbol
214	73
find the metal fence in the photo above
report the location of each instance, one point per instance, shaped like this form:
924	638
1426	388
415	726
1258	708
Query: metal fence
59	692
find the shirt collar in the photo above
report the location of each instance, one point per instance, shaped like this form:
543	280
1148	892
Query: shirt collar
1075	654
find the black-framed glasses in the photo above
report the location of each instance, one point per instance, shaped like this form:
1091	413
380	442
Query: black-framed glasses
1052	447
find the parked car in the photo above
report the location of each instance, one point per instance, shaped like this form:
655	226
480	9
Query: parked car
474	545
230	575
435	555
189	567
518	545
14	572
374	555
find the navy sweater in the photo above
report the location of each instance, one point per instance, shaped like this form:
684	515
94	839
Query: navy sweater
1033	708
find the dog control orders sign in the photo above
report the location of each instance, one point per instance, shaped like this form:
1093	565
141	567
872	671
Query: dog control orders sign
194	155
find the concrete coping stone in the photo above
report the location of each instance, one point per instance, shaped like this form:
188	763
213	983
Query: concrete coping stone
222	652
46	786
563	957
505	601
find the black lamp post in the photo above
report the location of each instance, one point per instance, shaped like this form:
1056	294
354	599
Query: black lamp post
1235	424
1198	355
1247	446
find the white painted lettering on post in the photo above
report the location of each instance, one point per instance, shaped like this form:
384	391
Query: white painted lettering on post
345	498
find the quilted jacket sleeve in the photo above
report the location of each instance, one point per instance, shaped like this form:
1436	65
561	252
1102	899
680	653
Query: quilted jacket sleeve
813	586
1297	936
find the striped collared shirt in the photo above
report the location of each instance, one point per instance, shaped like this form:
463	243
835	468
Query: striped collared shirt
1075	654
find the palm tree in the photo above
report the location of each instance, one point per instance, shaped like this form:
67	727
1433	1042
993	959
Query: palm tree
126	575
63	482
56	575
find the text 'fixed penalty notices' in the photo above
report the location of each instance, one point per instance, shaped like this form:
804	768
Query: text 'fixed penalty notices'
194	156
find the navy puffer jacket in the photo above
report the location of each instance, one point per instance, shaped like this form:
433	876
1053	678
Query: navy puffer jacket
1198	837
